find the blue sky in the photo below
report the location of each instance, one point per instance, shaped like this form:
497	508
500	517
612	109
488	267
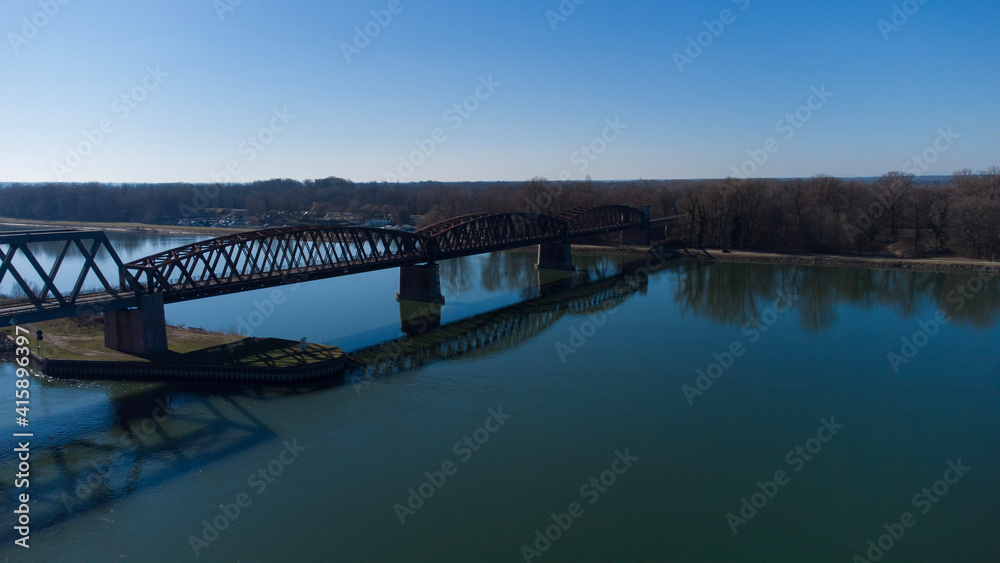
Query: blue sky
200	77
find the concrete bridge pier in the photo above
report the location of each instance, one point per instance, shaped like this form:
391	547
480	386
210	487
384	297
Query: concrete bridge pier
640	236
421	282
140	331
555	256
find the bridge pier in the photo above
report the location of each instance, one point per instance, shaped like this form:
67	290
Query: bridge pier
421	282
140	331
640	236
555	256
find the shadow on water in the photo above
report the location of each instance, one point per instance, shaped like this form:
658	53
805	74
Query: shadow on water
737	293
101	454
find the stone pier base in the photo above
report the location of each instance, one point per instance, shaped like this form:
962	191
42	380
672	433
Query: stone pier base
141	331
420	283
555	256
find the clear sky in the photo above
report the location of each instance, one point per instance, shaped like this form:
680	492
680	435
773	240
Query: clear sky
180	86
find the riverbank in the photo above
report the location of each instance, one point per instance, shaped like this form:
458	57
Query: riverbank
878	262
595	250
947	264
74	348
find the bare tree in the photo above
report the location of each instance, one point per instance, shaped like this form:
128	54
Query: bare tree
892	189
917	212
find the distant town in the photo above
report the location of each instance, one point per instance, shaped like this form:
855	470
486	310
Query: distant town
225	218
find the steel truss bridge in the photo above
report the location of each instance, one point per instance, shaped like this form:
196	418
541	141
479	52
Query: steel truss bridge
269	258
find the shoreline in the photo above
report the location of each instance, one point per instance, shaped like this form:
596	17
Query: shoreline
839	261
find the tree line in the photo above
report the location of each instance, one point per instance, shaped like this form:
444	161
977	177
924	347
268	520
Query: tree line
893	213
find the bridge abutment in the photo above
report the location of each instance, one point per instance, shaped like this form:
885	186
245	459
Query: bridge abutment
137	331
421	282
555	256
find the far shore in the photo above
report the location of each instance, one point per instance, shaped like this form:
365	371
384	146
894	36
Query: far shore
147	228
939	264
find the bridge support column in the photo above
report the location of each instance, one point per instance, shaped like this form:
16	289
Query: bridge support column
640	236
140	331
555	256
420	283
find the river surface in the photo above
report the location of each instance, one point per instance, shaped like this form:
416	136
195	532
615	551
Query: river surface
702	412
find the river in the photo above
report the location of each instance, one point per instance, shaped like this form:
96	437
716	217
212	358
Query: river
705	412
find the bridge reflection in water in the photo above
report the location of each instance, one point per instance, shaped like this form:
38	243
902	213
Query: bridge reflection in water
556	296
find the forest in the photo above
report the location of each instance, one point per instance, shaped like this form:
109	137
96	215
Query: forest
891	214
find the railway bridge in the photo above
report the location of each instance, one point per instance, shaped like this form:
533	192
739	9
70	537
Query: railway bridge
133	295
